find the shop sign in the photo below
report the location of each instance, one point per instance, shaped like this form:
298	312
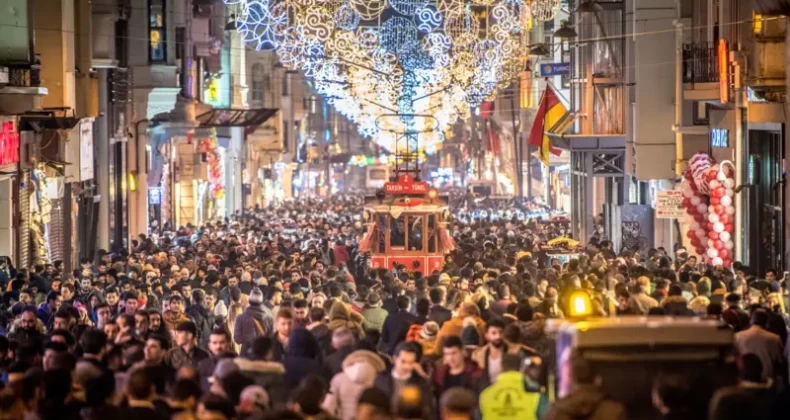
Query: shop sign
406	185
720	137
86	150
555	69
724	79
9	144
668	204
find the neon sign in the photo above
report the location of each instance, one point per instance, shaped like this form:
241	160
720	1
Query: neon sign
9	144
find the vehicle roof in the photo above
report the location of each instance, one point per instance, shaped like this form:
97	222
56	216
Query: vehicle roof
641	331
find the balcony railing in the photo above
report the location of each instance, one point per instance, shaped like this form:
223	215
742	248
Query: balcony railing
700	63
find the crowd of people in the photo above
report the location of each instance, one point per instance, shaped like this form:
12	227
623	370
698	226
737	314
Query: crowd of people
276	315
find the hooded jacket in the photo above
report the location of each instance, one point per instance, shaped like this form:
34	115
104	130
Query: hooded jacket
302	357
359	373
341	316
204	321
586	402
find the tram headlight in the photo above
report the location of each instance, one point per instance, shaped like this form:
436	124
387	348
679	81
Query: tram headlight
581	306
366	215
432	193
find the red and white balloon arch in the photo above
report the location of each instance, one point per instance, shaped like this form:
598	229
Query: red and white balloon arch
710	212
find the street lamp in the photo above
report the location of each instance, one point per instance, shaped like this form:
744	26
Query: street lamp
565	32
591	6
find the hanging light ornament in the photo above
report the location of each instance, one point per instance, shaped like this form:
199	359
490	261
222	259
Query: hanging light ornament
404	59
544	10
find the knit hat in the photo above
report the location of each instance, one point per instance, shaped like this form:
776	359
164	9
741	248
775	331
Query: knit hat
256	297
470	337
429	330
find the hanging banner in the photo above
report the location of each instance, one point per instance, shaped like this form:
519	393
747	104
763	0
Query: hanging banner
9	143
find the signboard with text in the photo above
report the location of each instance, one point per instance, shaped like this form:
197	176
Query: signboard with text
555	69
9	143
668	204
406	185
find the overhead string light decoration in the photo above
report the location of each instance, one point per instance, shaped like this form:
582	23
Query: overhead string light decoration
389	65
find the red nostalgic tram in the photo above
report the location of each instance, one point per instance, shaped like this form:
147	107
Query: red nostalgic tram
406	223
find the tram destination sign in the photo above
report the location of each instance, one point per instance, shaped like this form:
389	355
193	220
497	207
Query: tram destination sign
406	185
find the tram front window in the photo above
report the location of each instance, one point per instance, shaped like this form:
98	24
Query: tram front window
415	233
432	233
398	232
381	229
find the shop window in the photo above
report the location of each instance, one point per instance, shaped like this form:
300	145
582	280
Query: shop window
157	31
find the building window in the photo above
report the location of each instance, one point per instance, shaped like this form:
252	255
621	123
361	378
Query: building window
258	78
157	31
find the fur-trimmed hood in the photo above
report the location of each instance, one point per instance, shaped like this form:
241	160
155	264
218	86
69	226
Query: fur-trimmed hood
259	366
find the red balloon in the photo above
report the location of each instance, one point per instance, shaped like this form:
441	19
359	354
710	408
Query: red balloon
711	175
718	209
691	234
726	262
695	242
724	254
714	201
710	227
719	245
685	202
699	217
720	192
713	235
700	250
729	227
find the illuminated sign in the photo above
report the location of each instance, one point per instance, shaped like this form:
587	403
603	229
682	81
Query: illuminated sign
406	185
719	137
9	144
724	86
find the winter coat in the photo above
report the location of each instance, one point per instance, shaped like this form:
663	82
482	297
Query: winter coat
439	314
374	318
333	363
454	327
269	375
302	358
473	378
385	383
177	357
246	330
586	402
172	319
204	321
676	306
359	373
394	330
341	316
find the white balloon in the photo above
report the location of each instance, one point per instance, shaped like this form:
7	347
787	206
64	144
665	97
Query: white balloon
714	184
718	227
693	225
695	200
729	183
724	236
702	208
721	177
726	201
729	245
713	217
718	261
729	192
729	210
712	253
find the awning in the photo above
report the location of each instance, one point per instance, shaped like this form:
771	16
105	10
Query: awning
46	121
228	117
561	139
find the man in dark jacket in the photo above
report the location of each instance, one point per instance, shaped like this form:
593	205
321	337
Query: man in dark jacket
438	313
270	375
397	325
218	348
253	323
27	332
405	360
586	400
203	318
185	353
455	370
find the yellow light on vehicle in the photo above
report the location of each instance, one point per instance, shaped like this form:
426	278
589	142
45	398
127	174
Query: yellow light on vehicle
366	215
432	193
580	304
